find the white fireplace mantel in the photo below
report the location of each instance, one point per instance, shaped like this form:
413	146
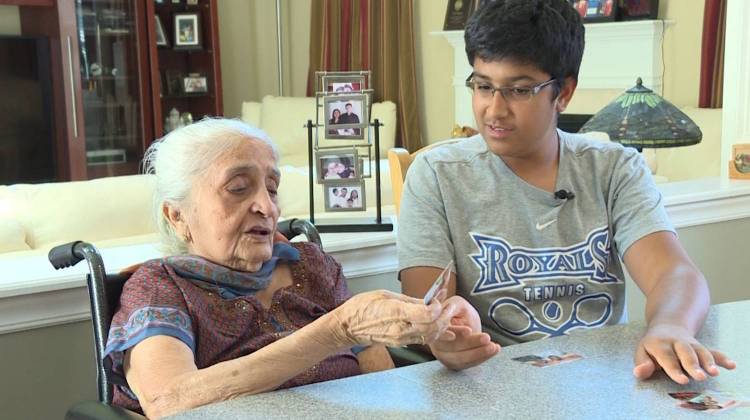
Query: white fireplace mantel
615	54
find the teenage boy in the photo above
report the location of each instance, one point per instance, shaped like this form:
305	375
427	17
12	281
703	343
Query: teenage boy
539	221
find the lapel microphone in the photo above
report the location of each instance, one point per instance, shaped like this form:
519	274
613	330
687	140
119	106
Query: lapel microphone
564	195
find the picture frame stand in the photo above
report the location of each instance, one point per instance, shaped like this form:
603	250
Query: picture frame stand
350	224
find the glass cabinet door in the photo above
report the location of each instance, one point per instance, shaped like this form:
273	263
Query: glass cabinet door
111	86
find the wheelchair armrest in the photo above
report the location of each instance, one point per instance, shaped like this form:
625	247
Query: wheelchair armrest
406	356
95	410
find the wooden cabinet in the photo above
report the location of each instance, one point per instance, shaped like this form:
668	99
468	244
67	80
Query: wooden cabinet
110	98
188	77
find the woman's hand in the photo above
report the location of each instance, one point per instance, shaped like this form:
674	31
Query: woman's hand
469	346
383	317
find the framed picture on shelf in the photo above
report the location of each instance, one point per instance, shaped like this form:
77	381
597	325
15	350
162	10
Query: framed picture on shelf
161	35
638	9
343	83
596	10
194	83
172	83
739	166
187	31
344	196
457	14
337	164
345	116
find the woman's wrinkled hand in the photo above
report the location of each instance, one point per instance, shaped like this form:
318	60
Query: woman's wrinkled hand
384	317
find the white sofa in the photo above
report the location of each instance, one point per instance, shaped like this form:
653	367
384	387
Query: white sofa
116	211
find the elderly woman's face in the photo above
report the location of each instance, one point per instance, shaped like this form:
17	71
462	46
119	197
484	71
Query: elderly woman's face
233	209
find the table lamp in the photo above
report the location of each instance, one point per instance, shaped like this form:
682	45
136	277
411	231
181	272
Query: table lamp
640	118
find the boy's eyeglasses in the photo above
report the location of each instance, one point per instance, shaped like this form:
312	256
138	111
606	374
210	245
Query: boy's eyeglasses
510	93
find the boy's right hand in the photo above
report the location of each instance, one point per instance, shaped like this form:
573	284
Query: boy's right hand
470	346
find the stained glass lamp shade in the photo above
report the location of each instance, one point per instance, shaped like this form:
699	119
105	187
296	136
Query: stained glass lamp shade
640	118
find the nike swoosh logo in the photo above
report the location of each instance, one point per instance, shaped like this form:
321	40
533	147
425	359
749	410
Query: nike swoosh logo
544	225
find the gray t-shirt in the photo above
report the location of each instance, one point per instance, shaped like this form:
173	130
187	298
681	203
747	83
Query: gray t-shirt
534	266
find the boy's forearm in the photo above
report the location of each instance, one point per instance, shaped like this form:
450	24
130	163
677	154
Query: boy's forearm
680	299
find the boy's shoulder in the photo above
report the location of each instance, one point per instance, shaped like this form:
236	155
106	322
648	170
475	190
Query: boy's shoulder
458	151
584	146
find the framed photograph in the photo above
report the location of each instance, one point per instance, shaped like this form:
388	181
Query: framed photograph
192	2
161	34
596	10
457	14
345	116
194	83
172	83
187	31
739	166
344	196
638	9
343	84
338	164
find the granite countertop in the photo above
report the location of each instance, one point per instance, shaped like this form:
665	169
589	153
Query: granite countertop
601	385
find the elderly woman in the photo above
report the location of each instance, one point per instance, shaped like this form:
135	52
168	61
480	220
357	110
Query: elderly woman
230	312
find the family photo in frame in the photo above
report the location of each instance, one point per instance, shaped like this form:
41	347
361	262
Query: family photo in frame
739	166
187	31
194	83
161	34
344	196
345	116
638	9
343	83
596	10
457	14
337	164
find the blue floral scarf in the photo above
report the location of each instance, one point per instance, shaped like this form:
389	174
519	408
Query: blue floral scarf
227	282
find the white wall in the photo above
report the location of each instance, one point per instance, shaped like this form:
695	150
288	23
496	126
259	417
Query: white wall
10	21
249	50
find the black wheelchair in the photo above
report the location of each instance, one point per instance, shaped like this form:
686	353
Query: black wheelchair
104	295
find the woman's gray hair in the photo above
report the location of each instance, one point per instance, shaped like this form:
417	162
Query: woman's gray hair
184	155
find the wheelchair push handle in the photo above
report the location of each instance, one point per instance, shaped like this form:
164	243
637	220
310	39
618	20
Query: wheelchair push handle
66	255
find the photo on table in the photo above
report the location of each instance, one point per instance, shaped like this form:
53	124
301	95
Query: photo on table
345	116
337	164
549	360
709	400
344	196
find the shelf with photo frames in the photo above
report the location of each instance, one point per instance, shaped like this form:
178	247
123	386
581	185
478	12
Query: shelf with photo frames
340	160
187	55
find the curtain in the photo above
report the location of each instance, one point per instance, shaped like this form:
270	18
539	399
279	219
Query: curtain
712	54
375	35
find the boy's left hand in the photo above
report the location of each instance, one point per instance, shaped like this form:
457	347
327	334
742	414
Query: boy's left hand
673	349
